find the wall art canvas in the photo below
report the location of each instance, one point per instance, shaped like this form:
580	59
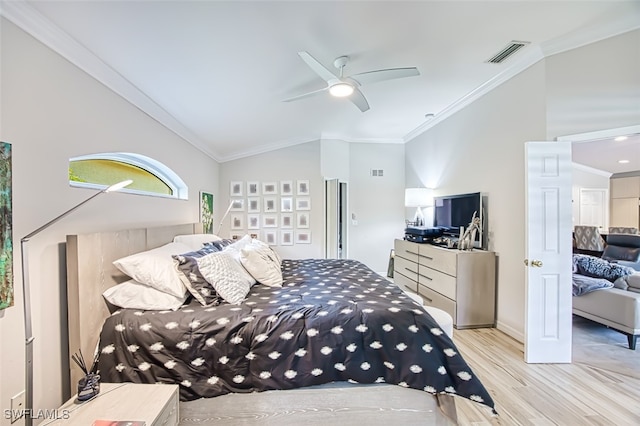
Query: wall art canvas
206	212
6	228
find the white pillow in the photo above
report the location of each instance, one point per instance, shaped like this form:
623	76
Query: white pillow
133	295
264	245
156	268
195	241
227	276
261	262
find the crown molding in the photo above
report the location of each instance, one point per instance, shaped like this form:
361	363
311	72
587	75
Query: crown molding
591	170
42	29
326	136
267	148
593	34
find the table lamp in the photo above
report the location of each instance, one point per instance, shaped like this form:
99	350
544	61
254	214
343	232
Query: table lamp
419	198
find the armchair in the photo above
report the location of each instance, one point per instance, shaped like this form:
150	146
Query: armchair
588	240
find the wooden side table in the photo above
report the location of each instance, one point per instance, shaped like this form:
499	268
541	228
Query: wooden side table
156	405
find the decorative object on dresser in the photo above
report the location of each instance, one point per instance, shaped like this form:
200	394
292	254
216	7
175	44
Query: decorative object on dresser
418	198
469	236
461	283
26	292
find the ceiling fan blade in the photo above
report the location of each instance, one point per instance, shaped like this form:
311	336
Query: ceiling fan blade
359	100
304	95
317	67
381	75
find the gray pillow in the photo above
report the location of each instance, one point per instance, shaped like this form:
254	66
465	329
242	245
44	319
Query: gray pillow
599	268
192	278
583	284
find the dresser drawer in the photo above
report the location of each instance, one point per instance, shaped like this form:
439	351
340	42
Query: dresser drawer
406	268
438	281
406	250
438	258
437	300
402	281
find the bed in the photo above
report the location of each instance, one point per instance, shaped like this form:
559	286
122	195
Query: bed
332	321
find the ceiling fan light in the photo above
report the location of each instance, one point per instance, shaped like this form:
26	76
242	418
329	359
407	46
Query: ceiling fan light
341	90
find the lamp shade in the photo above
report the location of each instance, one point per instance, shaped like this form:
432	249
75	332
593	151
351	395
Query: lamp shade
418	197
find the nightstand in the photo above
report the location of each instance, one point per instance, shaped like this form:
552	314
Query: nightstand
156	405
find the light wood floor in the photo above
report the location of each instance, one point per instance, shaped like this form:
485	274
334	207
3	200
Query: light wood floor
600	387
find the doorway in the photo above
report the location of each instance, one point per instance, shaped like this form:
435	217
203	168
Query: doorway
336	219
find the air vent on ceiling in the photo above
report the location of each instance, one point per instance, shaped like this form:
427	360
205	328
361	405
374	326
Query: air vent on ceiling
509	50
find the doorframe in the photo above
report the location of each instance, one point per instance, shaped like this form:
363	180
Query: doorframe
589	136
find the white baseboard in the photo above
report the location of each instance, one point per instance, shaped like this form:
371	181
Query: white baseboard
510	331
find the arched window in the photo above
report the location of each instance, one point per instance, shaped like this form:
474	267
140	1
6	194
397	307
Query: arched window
150	177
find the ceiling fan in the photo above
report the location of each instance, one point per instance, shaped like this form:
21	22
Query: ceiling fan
349	86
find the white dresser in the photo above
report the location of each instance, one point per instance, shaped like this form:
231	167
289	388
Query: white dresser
461	283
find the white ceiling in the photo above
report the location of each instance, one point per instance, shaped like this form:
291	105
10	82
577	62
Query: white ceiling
216	72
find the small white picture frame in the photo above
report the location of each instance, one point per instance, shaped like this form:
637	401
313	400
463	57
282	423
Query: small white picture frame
270	204
270	237
237	221
253	221
253	205
303	187
269	221
269	188
286	187
237	205
235	188
286	204
253	235
303	237
286	220
286	238
237	235
253	189
302	220
303	203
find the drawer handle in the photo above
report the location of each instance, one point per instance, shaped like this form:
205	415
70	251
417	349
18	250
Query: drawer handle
412	252
426	257
407	269
424	276
426	298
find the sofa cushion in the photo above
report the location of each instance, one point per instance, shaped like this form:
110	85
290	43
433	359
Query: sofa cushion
583	284
621	308
600	268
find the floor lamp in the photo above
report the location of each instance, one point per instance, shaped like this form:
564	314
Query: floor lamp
26	296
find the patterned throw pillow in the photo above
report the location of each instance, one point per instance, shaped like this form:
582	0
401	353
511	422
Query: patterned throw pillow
227	276
192	278
596	267
262	263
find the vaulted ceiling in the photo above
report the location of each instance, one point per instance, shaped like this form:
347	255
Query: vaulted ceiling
217	72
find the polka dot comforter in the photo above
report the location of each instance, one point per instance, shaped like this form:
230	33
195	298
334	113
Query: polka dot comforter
332	320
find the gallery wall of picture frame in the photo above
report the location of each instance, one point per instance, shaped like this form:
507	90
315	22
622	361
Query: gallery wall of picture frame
277	212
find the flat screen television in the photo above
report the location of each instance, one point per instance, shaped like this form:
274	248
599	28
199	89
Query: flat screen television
453	211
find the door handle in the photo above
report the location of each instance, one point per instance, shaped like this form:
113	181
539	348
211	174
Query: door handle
534	263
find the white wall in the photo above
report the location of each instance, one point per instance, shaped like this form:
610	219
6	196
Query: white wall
377	202
481	148
51	111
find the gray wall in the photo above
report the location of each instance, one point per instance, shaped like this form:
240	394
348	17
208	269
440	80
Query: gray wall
481	148
51	111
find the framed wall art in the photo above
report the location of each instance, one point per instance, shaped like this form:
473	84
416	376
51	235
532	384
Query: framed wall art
6	228
235	188
253	189
286	204
286	238
237	205
269	188
237	221
270	204
253	205
253	221
303	187
270	237
302	220
206	212
286	187
286	220
303	203
270	220
303	237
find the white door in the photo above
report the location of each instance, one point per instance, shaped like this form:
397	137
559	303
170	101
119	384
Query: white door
548	302
593	207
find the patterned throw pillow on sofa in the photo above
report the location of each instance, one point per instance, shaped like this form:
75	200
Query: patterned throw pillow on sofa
596	267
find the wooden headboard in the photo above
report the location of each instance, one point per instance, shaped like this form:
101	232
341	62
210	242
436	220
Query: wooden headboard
90	272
